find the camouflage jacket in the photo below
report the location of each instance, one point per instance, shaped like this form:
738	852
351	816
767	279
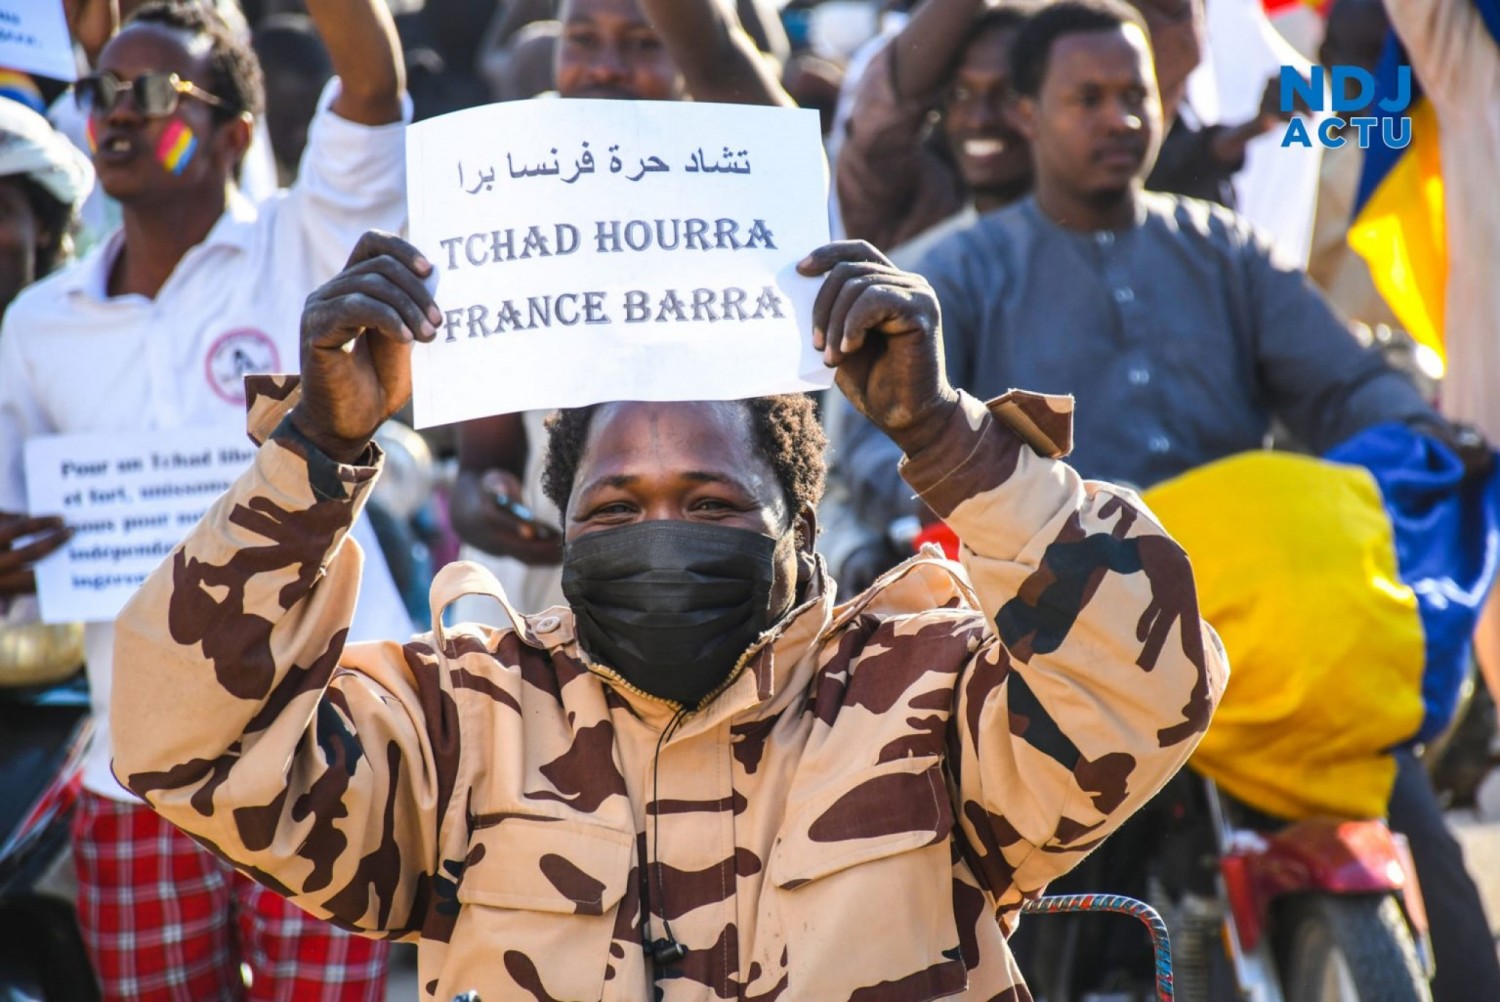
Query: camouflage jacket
858	815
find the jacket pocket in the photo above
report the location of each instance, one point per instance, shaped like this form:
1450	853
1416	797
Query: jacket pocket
538	904
864	888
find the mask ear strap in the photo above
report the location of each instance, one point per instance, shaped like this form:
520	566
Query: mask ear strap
453	582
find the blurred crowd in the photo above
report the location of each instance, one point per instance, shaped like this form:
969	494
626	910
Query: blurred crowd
1094	218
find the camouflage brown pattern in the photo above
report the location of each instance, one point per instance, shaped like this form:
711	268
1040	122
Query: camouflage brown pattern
859	815
1044	421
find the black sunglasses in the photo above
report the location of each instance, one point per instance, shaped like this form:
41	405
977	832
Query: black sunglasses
156	94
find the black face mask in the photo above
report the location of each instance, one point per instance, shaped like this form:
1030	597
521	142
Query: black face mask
671	605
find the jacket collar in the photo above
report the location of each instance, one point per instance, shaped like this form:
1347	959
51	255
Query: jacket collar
235	229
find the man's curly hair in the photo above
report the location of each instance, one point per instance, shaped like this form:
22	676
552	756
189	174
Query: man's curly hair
234	71
786	430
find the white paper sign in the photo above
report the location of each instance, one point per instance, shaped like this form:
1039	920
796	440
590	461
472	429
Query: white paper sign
615	250
131	498
34	39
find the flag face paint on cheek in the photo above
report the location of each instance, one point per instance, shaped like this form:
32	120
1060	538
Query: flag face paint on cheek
91	131
177	146
20	88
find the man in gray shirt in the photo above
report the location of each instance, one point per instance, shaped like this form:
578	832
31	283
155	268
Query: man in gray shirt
1178	327
1180	332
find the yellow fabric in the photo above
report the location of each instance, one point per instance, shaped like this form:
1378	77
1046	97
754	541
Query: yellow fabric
1401	233
1296	569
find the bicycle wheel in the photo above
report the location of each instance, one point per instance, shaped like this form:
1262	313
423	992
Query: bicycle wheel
1332	948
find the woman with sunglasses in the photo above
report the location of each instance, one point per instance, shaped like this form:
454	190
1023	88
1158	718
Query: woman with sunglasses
152	331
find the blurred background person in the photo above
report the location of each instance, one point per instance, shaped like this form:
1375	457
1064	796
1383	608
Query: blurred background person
94	23
519	65
1196	158
43	179
153	330
1180	329
928	146
297	68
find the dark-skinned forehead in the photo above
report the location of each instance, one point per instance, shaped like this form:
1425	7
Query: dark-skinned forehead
1171	10
702	422
715	441
989	52
625	481
626	10
161	46
1091	55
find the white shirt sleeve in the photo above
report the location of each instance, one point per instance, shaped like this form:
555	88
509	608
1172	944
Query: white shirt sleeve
352	178
21	415
1443	38
258	170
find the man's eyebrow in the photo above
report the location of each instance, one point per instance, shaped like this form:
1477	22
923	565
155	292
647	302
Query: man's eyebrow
705	477
613	480
625	480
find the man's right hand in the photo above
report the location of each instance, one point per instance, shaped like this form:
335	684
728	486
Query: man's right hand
357	332
483	521
16	576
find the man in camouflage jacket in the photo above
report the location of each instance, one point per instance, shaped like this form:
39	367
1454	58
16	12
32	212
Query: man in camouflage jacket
857	812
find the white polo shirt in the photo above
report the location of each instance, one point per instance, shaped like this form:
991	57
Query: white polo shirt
74	360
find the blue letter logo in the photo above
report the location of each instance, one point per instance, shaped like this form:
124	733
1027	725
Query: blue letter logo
1312	90
1343	89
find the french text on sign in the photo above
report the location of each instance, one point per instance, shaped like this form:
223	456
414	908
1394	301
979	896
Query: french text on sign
608	250
129	499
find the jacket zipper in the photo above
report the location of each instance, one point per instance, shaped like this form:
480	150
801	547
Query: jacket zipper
619	680
734	674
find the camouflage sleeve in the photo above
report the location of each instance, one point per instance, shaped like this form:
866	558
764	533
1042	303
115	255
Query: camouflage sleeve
1100	677
240	716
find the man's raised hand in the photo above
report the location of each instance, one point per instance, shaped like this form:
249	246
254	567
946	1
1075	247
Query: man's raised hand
878	326
357	332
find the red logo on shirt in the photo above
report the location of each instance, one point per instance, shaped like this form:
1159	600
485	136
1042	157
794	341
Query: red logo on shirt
235	355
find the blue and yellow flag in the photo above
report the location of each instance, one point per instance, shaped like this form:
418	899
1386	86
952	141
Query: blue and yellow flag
1398	225
1345	591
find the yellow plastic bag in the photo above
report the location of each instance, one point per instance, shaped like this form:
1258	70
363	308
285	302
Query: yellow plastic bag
1296	568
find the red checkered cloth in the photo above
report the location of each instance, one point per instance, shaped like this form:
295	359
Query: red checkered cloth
166	921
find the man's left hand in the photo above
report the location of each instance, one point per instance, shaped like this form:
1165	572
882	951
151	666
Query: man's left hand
357	333
878	326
